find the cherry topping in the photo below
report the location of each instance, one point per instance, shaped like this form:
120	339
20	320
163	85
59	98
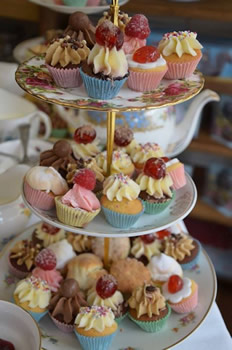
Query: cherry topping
155	167
6	345
85	178
146	54
163	233
109	35
106	286
46	260
49	229
165	159
85	134
123	136
138	27
175	283
147	239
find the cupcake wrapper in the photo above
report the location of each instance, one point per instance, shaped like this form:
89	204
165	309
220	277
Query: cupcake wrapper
17	273
178	177
73	217
145	81
121	318
37	315
38	199
192	263
101	89
95	343
66	328
59	133
187	305
156	208
152	326
181	70
120	220
65	78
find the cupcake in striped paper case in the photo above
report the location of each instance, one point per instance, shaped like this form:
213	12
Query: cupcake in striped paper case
95	327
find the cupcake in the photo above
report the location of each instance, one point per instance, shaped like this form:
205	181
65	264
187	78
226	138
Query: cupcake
65	305
120	203
106	69
136	33
184	249
129	274
59	157
176	170
148	308
41	185
124	140
22	256
33	295
95	327
64	57
156	186
123	19
144	247
80	243
121	163
63	251
162	267
119	248
106	293
79	205
141	153
86	145
45	269
181	294
182	52
45	234
147	68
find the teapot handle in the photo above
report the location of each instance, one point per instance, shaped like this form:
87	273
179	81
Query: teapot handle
184	131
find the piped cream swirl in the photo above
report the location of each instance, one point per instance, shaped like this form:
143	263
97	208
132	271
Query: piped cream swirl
119	186
95	317
156	188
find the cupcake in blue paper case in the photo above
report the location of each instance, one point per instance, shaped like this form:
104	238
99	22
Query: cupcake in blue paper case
156	186
106	69
148	308
120	203
95	327
183	248
33	295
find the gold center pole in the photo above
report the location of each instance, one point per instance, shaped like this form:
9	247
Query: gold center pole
114	8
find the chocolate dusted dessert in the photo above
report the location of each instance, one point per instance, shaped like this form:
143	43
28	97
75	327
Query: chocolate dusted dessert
80	27
123	19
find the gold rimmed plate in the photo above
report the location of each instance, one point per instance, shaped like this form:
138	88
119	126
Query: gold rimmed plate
177	329
32	76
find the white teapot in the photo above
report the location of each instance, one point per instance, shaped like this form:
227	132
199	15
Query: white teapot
157	125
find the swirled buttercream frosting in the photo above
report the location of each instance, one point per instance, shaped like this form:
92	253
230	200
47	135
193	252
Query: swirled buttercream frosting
25	252
85	151
140	248
95	317
120	161
179	43
113	302
119	186
80	243
143	152
158	188
178	246
47	236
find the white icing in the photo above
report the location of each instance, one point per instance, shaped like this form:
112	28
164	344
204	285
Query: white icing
163	266
185	291
63	252
132	64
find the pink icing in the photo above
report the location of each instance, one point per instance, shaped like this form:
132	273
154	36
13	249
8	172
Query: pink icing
52	277
80	197
132	44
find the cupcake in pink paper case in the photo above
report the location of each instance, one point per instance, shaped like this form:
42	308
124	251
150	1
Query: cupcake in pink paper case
181	294
64	58
147	67
41	185
79	205
176	170
45	269
136	33
182	52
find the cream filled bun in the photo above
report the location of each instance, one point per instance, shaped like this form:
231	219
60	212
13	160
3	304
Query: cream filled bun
163	266
118	247
63	251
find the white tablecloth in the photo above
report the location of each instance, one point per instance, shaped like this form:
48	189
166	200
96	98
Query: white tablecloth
211	335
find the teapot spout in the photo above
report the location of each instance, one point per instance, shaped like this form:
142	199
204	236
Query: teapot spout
184	131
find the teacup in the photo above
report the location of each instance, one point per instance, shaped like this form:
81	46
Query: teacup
14	111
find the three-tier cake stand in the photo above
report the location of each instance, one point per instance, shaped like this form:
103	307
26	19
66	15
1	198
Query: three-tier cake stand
32	76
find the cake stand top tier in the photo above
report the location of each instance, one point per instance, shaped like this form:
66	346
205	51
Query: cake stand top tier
32	76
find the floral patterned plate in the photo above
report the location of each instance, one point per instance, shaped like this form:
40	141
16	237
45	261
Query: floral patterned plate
180	207
129	337
33	77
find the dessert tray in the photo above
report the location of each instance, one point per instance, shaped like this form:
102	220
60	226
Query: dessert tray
129	336
70	9
32	76
180	207
21	51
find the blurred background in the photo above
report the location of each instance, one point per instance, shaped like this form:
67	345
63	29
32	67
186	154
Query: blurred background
24	25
